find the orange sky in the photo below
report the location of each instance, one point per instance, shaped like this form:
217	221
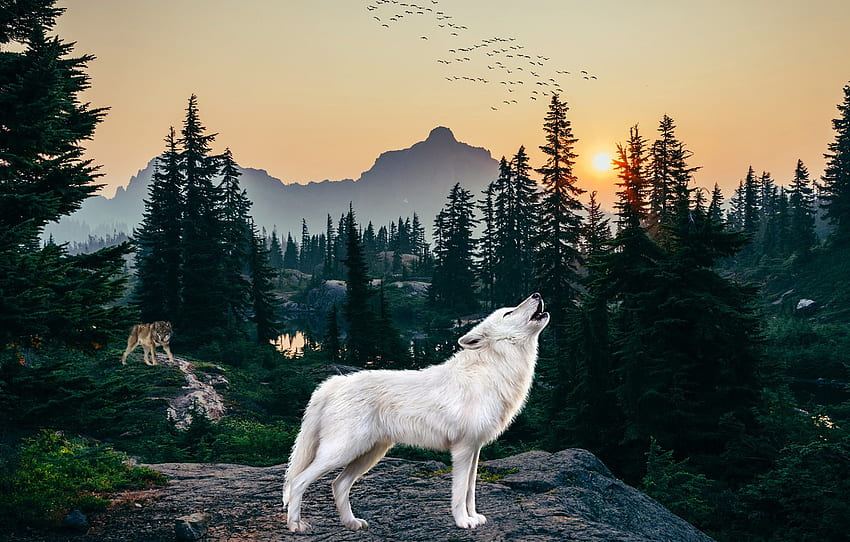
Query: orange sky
315	90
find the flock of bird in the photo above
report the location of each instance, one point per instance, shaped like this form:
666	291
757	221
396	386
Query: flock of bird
489	61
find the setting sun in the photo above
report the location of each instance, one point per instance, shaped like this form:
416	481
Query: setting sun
602	161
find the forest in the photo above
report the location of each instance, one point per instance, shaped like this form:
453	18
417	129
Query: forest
697	346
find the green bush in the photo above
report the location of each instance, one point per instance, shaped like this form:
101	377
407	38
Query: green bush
671	483
51	474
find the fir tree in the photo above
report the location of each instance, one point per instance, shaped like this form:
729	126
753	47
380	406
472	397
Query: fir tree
46	293
305	256
669	173
275	252
801	203
453	284
158	258
836	176
362	344
236	239
203	286
487	246
558	257
597	229
290	255
264	304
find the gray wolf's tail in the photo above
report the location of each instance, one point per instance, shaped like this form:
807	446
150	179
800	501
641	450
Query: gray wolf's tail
306	443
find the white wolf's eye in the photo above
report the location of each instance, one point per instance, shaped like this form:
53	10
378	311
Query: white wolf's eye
507	313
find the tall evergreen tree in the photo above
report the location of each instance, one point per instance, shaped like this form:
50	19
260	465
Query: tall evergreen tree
46	293
669	174
290	255
517	200
453	284
801	202
487	246
236	240
275	252
596	232
264	304
203	293
305	256
558	257
158	258
835	188
362	344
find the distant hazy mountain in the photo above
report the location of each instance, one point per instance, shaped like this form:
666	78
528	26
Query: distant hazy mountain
400	183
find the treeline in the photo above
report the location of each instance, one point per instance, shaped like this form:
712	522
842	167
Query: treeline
200	261
323	254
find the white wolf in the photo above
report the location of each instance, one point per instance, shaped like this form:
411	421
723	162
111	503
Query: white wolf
460	405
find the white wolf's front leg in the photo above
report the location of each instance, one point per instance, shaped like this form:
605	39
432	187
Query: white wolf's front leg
463	457
470	490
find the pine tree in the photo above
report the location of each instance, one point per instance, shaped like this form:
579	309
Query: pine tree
836	176
596	233
669	174
203	286
275	252
557	257
290	255
236	240
715	208
158	258
264	304
305	256
487	246
801	203
516	209
453	283
363	343
46	293
330	261
750	210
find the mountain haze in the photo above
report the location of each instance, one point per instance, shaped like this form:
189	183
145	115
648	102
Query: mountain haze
400	182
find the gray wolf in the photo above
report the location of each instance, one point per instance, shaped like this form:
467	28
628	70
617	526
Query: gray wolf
460	405
149	336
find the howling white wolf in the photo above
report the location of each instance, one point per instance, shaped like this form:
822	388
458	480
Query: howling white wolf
460	405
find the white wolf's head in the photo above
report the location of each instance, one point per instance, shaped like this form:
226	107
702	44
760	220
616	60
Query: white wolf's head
509	325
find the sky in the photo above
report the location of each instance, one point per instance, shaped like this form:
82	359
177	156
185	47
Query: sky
317	89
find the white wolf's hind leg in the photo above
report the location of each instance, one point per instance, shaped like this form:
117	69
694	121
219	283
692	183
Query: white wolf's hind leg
349	475
326	460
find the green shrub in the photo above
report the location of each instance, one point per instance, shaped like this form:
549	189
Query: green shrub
671	483
51	474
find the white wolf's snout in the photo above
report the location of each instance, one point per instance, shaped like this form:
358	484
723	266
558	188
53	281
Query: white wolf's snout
460	405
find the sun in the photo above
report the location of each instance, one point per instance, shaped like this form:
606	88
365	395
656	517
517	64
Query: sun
602	161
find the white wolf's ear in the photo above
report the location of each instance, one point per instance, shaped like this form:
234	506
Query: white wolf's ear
472	340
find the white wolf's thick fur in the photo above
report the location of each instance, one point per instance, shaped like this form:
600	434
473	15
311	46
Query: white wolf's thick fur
351	421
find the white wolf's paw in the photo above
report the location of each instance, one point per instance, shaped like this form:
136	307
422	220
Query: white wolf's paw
298	526
481	519
468	522
357	524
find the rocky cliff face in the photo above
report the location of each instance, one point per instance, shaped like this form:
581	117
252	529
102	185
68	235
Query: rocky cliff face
536	496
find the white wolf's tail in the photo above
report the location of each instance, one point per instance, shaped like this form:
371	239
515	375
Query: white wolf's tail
304	449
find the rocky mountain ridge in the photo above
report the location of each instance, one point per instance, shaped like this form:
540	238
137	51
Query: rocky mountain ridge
401	182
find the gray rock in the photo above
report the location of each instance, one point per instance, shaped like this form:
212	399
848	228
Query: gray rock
76	521
531	497
191	527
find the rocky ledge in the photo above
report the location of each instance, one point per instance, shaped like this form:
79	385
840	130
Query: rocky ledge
535	496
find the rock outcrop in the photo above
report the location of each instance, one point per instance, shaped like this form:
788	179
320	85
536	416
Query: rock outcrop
536	496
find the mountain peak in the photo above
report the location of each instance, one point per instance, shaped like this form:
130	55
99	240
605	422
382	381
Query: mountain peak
441	133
